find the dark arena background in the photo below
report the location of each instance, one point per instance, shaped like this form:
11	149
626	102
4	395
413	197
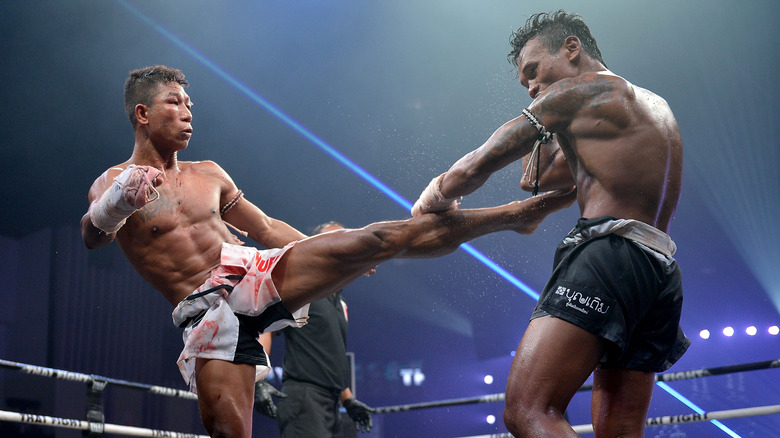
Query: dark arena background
344	110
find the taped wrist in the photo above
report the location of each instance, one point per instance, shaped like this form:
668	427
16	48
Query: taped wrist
111	211
435	191
432	200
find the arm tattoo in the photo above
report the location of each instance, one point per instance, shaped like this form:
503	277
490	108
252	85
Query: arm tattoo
549	113
507	140
162	206
564	98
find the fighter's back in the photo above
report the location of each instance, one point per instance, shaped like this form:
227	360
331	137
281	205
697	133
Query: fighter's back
625	151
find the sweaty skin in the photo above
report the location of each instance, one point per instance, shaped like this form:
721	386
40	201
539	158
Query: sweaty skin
174	241
620	142
621	146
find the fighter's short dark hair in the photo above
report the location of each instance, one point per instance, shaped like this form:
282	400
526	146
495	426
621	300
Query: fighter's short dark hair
142	83
552	29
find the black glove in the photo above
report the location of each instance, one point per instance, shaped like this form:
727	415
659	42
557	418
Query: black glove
264	404
360	413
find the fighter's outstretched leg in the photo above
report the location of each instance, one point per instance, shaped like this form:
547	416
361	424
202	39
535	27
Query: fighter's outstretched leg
321	265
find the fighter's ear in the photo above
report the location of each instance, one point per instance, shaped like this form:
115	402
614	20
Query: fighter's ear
141	114
573	47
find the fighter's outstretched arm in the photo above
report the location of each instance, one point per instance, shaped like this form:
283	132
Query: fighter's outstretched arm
552	111
509	143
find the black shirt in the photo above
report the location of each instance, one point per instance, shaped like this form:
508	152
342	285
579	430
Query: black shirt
317	352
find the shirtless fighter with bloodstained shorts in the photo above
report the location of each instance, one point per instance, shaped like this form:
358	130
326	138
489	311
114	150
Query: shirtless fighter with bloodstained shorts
171	219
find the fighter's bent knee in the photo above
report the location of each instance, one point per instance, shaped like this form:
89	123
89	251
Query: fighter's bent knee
514	421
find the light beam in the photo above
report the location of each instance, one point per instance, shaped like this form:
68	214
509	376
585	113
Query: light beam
360	172
302	130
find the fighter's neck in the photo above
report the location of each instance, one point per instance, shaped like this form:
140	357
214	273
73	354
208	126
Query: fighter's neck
146	154
589	64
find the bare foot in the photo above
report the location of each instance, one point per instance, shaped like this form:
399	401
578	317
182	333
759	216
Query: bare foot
532	211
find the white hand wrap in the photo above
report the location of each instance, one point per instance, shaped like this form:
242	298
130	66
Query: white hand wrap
131	190
431	200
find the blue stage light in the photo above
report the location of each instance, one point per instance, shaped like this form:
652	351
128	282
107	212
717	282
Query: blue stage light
695	408
302	130
362	173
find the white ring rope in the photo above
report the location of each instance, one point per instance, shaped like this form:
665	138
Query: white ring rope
667	377
86	378
675	419
95	384
43	420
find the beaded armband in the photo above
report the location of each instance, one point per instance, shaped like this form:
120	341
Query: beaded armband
232	203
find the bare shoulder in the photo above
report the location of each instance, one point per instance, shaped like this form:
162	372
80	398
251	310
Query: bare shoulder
206	167
582	97
105	179
592	88
650	98
210	169
622	91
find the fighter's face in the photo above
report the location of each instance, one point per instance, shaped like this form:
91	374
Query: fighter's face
538	68
170	116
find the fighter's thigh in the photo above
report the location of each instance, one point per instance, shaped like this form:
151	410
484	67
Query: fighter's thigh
553	360
225	396
620	401
328	257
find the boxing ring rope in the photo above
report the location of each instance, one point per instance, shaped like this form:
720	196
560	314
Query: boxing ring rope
87	378
94	424
43	420
667	377
674	419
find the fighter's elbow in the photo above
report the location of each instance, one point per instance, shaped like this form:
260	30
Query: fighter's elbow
89	241
467	178
526	186
92	237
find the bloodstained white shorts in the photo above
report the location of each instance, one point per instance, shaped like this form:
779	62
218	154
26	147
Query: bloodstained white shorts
240	285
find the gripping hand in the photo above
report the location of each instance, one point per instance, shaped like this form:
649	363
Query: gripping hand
432	201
